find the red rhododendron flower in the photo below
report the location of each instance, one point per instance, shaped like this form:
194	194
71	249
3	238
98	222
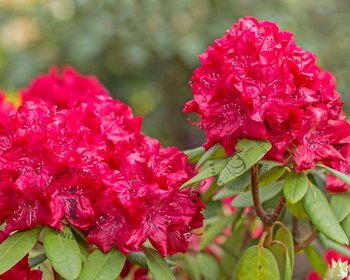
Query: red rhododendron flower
256	83
22	271
32	190
70	153
334	184
64	90
143	201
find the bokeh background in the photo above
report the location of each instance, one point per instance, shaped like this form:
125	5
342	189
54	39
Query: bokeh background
145	51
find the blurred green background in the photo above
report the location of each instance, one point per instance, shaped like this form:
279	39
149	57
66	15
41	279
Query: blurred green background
145	51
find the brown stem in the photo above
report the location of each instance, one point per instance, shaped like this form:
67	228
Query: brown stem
260	212
267	219
295	230
278	209
56	275
307	241
262	239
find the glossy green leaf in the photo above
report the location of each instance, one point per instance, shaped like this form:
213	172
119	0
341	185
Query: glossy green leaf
193	155
157	265
281	255
345	178
106	266
15	247
286	237
320	213
266	193
330	244
214	230
258	264
316	260
191	267
340	204
38	259
249	153
208	266
214	167
266	165
223	193
345	224
297	210
288	272
216	151
63	252
295	186
236	186
210	192
271	175
137	258
232	252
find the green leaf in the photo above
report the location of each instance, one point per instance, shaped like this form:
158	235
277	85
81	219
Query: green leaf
16	246
214	230
283	261
266	193
38	259
249	153
106	266
316	260
320	213
206	261
288	272
286	237
157	265
295	186
225	192
258	264
63	252
329	244
345	178
340	204
191	267
345	224
210	192
137	258
232	249
216	151
214	168
195	154
271	176
297	210
236	186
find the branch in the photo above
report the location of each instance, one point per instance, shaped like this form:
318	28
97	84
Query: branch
295	230
308	241
260	212
276	213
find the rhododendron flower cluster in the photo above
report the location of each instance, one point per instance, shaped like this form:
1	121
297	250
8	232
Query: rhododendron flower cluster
72	154
256	83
